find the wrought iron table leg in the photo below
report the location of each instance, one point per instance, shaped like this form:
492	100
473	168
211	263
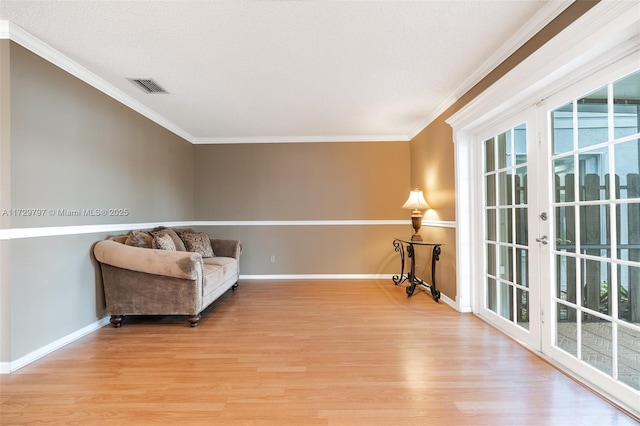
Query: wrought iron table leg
398	246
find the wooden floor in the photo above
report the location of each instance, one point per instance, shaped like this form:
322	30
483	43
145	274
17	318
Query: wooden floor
302	353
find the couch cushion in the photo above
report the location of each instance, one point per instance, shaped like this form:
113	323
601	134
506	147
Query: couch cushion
228	264
163	242
198	242
176	239
212	278
139	239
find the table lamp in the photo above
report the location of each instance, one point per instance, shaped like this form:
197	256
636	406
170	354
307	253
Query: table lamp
416	202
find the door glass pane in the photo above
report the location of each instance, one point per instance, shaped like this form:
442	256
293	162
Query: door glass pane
594	167
492	295
520	143
626	101
522	267
629	292
562	129
490	190
504	150
596	276
628	355
523	308
592	119
522	226
504	189
563	170
506	300
565	229
566	278
491	225
566	329
491	260
506	263
627	168
489	155
596	343
521	185
505	225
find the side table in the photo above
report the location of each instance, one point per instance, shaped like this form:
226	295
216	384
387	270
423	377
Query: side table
401	246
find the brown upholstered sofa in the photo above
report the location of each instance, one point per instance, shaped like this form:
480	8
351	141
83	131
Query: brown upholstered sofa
146	274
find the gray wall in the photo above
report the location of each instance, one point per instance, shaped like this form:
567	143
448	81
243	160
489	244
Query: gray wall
72	147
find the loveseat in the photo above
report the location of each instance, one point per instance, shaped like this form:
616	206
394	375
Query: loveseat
166	271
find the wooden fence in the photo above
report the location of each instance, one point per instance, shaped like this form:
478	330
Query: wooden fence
595	240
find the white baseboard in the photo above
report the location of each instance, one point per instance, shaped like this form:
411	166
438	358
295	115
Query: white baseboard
10	367
318	277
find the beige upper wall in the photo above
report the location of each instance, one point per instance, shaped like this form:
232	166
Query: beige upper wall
304	181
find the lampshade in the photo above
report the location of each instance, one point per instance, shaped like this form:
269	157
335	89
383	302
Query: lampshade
416	201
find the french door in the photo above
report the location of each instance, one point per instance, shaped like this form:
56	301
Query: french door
560	223
513	261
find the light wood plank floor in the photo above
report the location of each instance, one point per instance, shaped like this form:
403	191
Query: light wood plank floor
302	353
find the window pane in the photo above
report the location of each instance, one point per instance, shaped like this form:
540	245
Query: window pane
592	119
490	188
563	171
505	229
628	356
492	295
522	235
628	292
596	277
504	150
491	260
627	168
565	229
566	279
506	301
566	329
523	308
506	263
596	343
489	155
521	185
504	188
626	99
520	143
594	167
491	225
562	129
522	267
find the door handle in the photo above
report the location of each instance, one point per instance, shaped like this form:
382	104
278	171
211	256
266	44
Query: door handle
544	240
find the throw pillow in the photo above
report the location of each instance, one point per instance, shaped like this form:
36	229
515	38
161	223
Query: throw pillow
139	239
198	242
163	242
176	240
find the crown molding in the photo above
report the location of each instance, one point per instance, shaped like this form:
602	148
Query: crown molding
300	139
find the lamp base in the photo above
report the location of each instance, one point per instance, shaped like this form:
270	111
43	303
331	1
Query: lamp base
416	223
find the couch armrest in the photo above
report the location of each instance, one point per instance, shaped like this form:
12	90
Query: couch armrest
226	248
177	264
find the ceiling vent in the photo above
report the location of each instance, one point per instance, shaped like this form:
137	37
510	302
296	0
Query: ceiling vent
147	85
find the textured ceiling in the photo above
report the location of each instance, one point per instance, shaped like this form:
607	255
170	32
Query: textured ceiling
241	71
